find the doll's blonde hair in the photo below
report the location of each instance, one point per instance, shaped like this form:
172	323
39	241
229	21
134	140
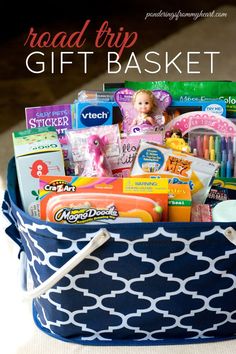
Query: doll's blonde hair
151	96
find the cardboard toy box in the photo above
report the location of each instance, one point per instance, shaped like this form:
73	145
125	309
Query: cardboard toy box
37	151
81	200
179	203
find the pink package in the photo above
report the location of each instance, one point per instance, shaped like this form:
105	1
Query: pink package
121	165
201	213
90	149
142	110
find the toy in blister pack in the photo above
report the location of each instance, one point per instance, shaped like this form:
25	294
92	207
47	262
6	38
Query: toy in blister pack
82	200
90	149
142	110
210	136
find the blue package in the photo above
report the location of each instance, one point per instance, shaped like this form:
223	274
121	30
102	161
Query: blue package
89	114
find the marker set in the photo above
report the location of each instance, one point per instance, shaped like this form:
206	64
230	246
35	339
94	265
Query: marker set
216	148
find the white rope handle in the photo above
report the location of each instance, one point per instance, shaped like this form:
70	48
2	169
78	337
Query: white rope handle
230	234
98	240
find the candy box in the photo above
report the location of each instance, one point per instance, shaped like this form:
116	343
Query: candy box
82	200
37	151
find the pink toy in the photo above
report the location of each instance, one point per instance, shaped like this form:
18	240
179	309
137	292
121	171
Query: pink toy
187	122
97	164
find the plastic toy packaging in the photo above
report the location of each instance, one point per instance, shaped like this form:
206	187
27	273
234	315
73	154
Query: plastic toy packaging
82	200
90	149
179	167
210	136
142	110
201	213
92	95
95	108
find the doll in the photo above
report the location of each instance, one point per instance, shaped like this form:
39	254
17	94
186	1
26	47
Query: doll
142	110
144	103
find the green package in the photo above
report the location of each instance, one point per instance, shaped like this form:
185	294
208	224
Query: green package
194	90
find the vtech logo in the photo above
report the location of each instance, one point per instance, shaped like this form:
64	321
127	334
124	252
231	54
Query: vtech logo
94	115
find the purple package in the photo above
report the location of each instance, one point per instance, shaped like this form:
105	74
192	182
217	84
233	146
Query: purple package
142	110
58	116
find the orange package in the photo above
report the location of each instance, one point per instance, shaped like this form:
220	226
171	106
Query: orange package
80	200
180	202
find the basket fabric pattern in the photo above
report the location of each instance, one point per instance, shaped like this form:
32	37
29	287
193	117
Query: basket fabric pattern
151	283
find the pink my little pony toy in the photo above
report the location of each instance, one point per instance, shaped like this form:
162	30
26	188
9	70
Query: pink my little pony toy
97	164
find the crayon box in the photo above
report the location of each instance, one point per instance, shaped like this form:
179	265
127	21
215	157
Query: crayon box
37	151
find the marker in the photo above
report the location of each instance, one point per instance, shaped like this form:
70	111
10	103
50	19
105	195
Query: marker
230	156
212	155
211	143
234	146
193	143
218	156
217	145
205	143
228	169
229	144
199	146
223	164
218	159
223	144
230	163
206	154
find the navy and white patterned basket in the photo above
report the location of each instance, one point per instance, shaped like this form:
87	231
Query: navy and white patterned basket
150	283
